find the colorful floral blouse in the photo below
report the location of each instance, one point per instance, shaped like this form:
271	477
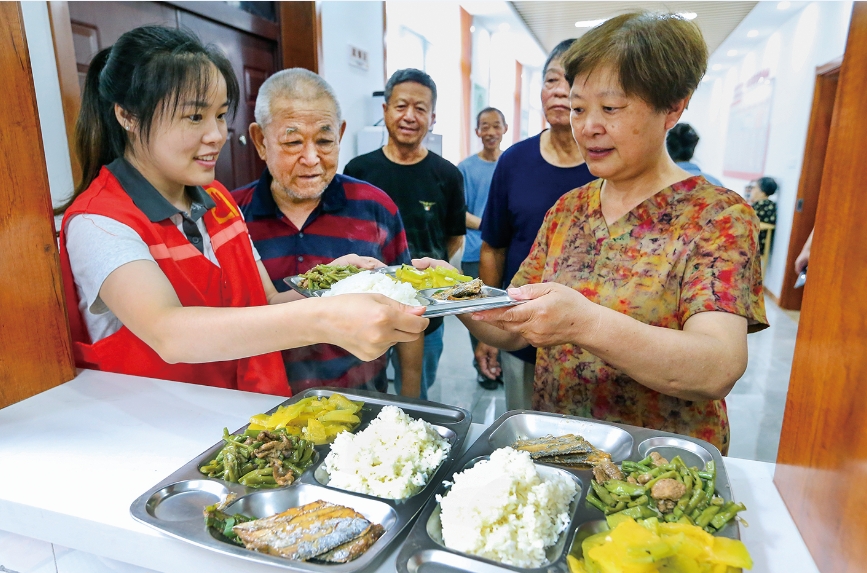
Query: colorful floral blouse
688	249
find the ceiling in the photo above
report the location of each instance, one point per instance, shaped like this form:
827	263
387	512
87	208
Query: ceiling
552	22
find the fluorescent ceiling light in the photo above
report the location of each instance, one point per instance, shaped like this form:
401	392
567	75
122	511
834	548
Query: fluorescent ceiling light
717	67
732	53
687	15
504	27
783	5
588	23
752	33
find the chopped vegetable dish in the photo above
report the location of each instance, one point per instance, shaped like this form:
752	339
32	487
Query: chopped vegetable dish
431	277
651	546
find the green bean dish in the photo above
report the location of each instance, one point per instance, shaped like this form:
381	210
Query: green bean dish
670	491
260	458
323	276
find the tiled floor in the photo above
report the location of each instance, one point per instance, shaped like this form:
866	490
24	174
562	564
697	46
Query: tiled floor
755	404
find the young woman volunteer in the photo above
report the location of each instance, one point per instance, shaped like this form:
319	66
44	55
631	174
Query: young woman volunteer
160	276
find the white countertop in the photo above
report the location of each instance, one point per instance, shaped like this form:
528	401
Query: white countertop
74	458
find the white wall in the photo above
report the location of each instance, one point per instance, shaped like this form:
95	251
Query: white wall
440	24
41	47
811	37
358	24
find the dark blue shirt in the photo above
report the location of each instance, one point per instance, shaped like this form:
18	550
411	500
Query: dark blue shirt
523	188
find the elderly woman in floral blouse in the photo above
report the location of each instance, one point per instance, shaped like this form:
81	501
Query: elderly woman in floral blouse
643	284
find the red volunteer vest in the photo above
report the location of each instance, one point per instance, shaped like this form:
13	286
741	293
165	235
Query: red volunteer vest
196	280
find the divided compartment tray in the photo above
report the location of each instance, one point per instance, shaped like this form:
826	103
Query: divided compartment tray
494	297
424	551
175	505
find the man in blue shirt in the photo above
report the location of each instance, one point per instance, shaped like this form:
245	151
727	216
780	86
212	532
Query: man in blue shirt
478	169
529	178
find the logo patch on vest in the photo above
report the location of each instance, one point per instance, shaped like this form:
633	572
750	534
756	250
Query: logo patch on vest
427	204
224	209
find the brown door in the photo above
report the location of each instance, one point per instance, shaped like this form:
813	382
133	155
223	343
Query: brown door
253	60
824	95
96	25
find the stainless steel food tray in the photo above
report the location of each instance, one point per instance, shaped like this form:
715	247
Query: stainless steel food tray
494	297
424	551
174	506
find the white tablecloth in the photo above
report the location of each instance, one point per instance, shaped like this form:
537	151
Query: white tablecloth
73	459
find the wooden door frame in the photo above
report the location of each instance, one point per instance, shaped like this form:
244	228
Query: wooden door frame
35	344
300	45
466	81
67	74
233	17
807	202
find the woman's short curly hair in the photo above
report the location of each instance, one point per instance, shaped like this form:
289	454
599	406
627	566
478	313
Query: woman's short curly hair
658	57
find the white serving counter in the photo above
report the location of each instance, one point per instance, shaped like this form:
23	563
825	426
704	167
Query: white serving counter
74	458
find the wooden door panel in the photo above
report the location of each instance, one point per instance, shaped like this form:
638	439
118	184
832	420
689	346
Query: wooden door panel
810	182
85	38
112	19
245	52
97	25
822	460
225	171
35	348
253	80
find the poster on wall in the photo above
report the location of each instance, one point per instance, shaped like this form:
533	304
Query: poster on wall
749	128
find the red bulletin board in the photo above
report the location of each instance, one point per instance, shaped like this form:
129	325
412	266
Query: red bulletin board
749	128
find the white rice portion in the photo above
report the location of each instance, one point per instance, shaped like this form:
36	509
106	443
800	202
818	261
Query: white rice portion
393	457
505	511
370	282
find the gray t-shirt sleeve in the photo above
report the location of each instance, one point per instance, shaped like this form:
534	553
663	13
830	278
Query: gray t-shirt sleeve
96	246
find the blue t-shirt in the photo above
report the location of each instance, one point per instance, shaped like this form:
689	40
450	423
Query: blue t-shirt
694	169
477	181
523	188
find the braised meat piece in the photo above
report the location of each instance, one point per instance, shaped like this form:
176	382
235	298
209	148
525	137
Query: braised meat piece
667	489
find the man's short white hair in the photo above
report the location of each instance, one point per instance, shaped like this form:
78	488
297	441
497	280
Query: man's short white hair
293	83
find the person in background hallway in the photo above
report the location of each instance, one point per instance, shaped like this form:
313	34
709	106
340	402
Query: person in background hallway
681	141
428	190
159	273
530	177
758	193
641	285
301	213
478	169
804	256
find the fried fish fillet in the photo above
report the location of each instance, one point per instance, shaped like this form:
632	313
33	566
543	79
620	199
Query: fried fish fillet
589	459
353	549
306	533
288	515
548	446
462	291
